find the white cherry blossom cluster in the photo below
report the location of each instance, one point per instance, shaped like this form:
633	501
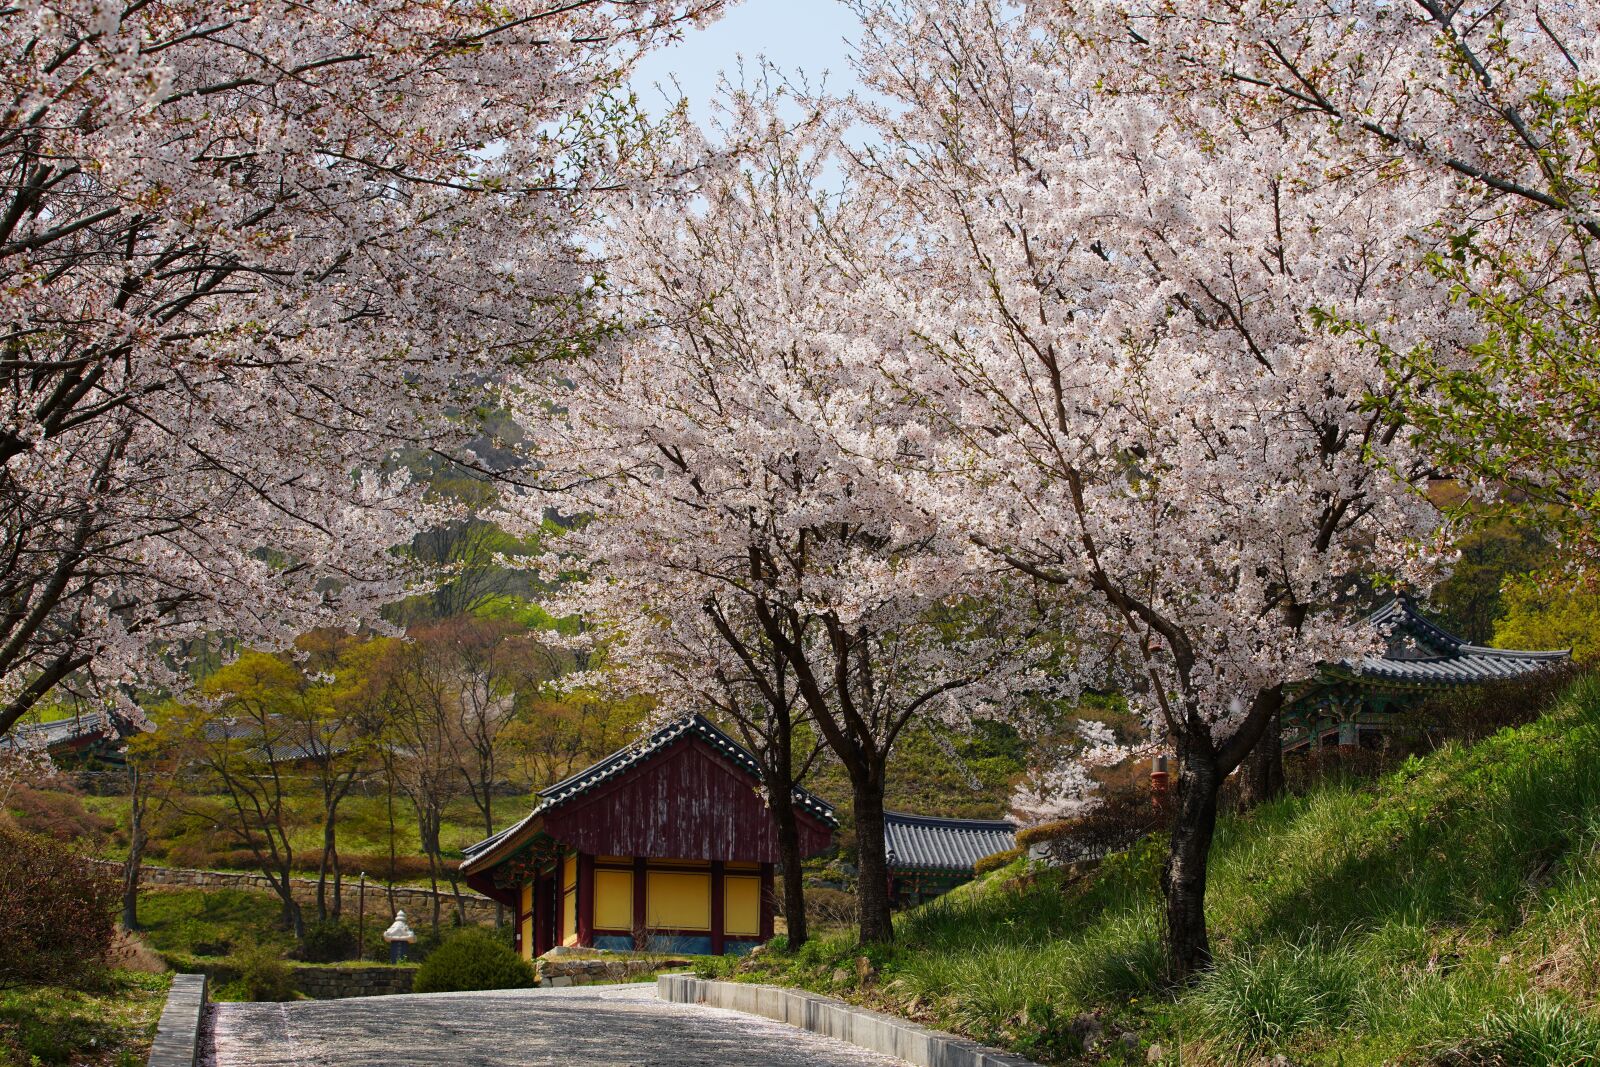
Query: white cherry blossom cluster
251	249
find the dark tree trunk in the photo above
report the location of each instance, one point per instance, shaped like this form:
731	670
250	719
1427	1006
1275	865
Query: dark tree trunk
872	889
794	895
1261	776
293	918
338	885
323	866
131	869
1183	877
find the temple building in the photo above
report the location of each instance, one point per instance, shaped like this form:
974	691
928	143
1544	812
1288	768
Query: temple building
665	845
1351	702
929	856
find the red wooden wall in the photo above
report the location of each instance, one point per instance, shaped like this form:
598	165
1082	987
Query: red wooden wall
688	802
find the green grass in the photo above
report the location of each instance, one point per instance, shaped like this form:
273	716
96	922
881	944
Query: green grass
186	840
1447	913
210	922
109	1026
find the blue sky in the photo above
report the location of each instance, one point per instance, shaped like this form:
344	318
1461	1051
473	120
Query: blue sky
796	35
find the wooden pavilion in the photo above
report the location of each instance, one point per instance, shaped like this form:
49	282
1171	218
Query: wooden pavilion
929	856
666	844
1352	702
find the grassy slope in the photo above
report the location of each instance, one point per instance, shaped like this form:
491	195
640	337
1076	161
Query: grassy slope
111	1025
363	831
1449	912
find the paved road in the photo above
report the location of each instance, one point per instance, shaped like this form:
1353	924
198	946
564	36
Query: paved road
623	1024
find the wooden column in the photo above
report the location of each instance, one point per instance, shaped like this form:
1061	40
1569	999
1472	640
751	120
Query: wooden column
769	901
544	915
641	934
585	899
717	923
516	919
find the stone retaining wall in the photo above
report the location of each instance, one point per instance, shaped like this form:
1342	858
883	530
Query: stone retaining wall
319	983
417	903
872	1030
177	1041
333	983
557	971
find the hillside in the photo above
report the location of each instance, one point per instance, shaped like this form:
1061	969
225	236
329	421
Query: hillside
1446	913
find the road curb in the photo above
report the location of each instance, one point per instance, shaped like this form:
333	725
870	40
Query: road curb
833	1018
177	1042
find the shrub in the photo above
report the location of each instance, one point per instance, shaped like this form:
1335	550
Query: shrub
328	941
831	907
997	860
56	913
1473	712
1122	818
56	812
473	959
263	975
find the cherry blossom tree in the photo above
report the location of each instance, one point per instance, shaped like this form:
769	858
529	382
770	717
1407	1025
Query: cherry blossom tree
708	448
249	249
1493	114
1123	390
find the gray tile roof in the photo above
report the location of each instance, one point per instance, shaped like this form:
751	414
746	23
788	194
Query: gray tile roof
624	758
929	843
60	732
1421	652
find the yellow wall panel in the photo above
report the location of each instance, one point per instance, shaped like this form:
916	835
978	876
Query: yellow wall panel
678	900
569	917
569	872
527	920
613	900
741	906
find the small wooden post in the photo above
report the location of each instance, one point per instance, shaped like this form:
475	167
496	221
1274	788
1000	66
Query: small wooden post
361	919
718	945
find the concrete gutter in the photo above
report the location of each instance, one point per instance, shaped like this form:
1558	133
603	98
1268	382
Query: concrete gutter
833	1018
177	1042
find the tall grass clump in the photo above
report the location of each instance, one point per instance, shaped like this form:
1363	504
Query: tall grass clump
1531	1032
1260	1000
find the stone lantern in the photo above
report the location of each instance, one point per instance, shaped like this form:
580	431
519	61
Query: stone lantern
399	936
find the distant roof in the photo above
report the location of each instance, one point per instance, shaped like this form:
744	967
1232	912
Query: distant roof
59	732
929	843
597	774
1421	652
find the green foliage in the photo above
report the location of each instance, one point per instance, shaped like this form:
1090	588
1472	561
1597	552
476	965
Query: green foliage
263	974
328	941
997	860
56	913
965	775
1493	550
109	1024
473	959
1444	909
1540	614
